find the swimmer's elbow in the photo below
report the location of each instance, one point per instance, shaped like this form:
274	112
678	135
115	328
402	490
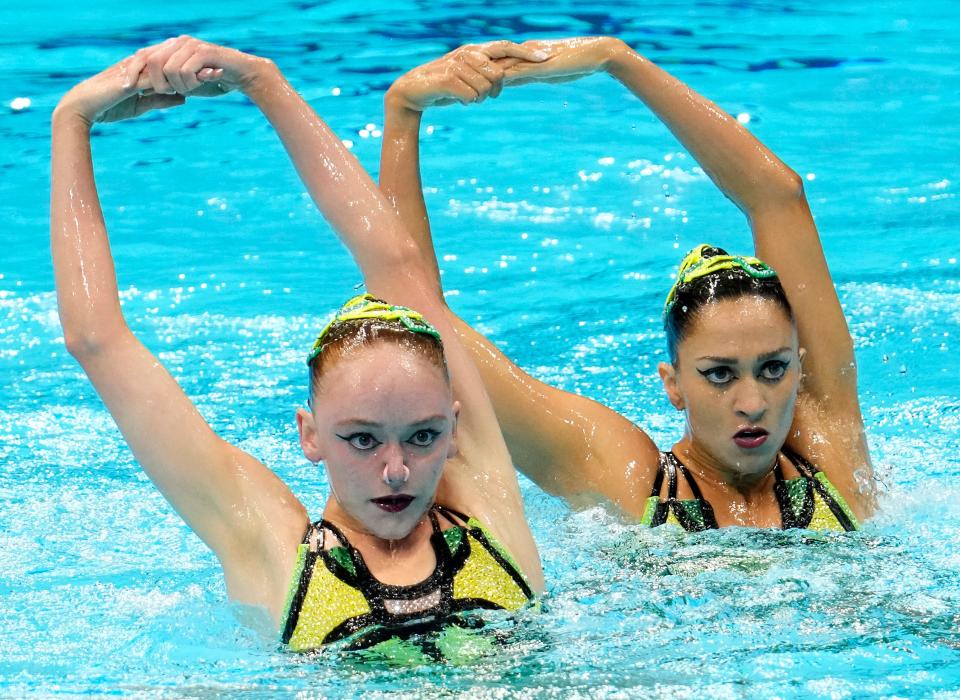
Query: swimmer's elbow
89	343
786	184
82	345
776	188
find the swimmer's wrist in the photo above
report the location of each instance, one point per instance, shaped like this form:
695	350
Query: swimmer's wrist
620	58
397	103
68	114
263	76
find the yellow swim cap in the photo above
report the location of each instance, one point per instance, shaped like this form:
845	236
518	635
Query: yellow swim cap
367	306
696	265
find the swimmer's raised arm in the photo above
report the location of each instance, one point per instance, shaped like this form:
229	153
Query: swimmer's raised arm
569	445
768	192
231	500
484	481
469	74
771	195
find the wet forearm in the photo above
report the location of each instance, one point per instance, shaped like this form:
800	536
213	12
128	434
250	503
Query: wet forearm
342	190
83	266
743	168
400	176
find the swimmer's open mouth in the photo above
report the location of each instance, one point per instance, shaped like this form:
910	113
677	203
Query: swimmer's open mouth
393	504
750	437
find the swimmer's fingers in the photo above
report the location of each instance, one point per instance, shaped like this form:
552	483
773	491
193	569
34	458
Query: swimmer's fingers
509	49
490	69
568	59
202	78
131	70
462	91
157	56
203	72
174	66
211	84
477	82
177	68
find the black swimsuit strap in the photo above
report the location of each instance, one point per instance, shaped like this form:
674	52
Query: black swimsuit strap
673	465
803	465
439	542
658	481
670	464
308	532
451	515
694	489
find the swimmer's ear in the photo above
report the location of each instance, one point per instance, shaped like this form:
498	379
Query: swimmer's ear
309	439
453	450
668	375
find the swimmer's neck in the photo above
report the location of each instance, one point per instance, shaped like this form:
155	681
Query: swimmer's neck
713	475
368	543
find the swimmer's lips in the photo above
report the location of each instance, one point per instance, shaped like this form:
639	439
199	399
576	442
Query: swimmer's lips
393	504
750	437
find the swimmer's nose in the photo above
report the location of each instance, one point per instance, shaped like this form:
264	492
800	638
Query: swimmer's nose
750	401
395	472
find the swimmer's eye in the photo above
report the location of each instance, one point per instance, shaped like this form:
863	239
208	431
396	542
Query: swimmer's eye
361	441
424	438
774	370
718	375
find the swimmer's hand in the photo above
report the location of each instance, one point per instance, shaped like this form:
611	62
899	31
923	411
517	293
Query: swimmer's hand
567	59
162	76
468	74
113	94
193	68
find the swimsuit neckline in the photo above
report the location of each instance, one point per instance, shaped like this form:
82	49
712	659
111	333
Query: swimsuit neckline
781	490
361	572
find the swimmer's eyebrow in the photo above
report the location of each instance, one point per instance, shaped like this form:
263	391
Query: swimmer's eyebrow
774	353
733	360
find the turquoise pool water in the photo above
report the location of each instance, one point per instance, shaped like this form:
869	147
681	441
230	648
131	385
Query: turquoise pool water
570	197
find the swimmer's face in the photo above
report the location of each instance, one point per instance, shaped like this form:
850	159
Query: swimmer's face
384	423
736	376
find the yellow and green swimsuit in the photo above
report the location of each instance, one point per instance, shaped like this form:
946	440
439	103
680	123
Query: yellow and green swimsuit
808	501
333	596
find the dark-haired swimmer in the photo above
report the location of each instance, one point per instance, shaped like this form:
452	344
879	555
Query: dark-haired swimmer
425	516
767	444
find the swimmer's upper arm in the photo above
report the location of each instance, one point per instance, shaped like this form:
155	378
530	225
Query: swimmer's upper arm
232	501
786	237
828	425
229	498
571	446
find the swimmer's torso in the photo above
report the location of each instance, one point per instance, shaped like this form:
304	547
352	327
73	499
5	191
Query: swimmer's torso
808	501
333	596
